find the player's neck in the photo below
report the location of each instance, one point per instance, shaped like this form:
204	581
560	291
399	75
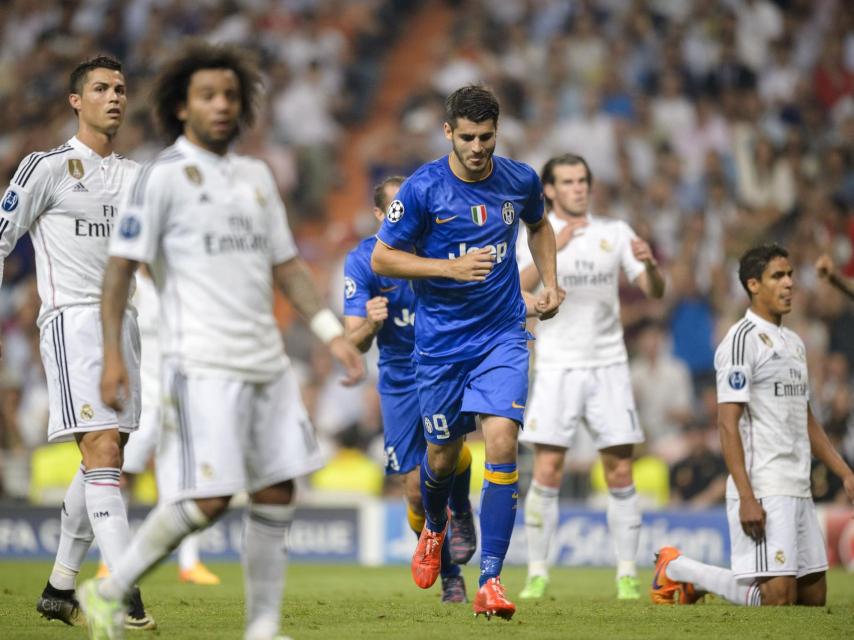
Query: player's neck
459	169
217	148
98	141
568	215
768	316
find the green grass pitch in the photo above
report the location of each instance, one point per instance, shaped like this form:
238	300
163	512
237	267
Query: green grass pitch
353	602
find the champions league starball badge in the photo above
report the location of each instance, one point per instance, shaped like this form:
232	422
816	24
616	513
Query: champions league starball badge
395	211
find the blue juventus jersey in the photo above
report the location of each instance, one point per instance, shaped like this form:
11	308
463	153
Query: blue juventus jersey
397	336
443	216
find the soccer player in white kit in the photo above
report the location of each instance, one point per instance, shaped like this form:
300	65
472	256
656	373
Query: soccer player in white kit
581	369
67	199
768	433
213	229
145	444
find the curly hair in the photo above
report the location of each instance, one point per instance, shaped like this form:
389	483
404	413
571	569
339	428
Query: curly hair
172	83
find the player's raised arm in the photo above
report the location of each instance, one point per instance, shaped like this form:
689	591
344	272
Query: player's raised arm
822	449
396	263
293	280
114	300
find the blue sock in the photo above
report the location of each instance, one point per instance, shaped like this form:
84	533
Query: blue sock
459	499
434	493
497	515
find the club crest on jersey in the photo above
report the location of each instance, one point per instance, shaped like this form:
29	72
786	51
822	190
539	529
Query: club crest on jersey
193	174
764	337
478	214
508	212
780	557
10	201
130	227
395	211
737	380
605	246
349	287
75	168
262	201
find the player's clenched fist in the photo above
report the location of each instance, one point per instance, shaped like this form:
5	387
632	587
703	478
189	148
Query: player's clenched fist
472	267
377	310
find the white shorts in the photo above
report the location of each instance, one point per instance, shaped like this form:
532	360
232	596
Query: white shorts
601	397
224	435
793	544
72	350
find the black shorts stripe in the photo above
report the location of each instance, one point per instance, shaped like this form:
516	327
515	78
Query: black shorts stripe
63	394
63	369
24	175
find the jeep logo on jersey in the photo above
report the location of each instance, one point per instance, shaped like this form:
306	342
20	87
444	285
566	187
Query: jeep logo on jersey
478	214
75	168
349	287
193	174
130	227
508	212
498	250
10	201
395	211
737	380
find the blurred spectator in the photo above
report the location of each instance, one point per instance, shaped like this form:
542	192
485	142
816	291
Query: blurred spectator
699	479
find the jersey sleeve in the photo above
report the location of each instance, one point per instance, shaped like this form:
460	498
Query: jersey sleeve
734	366
631	265
143	215
282	245
534	207
25	199
357	284
405	219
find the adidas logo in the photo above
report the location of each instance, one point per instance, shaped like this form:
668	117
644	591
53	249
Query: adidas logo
204	198
78	188
775	356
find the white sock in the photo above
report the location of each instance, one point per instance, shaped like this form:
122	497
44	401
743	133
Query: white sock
541	516
75	535
265	556
161	532
721	582
188	552
107	513
624	523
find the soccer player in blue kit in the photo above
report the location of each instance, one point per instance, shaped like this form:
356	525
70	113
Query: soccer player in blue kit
452	230
384	308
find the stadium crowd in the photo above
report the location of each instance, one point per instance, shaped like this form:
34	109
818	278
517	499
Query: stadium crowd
708	126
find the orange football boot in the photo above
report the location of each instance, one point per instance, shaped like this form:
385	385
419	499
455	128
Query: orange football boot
427	559
491	601
667	591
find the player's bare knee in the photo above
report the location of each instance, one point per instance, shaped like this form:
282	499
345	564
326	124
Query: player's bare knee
442	459
213	508
280	493
101	453
779	592
812	590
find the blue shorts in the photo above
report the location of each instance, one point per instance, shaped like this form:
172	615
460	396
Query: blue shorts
451	395
404	438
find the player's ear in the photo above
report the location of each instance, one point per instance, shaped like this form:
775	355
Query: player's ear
74	100
753	286
549	191
181	111
449	131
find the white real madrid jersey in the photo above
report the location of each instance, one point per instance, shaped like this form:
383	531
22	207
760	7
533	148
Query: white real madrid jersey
764	367
211	227
68	200
587	332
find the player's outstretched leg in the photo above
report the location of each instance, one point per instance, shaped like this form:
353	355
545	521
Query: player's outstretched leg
462	532
664	590
700	578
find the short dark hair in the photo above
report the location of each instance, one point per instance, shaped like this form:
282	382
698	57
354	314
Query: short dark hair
755	260
172	83
472	102
547	175
77	78
379	190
